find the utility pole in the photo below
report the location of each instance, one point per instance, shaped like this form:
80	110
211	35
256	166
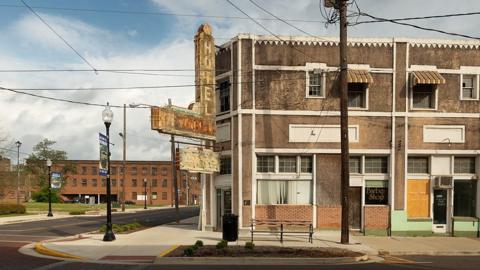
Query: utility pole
342	7
174	178
124	137
18	143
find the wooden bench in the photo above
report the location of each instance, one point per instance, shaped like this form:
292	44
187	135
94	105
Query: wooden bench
281	227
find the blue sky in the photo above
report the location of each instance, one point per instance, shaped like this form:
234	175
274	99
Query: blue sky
149	41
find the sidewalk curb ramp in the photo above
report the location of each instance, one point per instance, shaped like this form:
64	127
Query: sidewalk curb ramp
259	261
40	248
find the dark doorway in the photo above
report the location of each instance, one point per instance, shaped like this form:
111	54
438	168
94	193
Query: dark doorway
355	208
440	206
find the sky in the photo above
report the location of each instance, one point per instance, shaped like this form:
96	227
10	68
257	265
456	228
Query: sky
150	34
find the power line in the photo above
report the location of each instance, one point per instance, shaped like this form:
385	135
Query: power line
157	13
12	150
58	35
425	17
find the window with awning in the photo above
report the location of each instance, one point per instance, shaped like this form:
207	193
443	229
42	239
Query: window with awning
424	87
358	81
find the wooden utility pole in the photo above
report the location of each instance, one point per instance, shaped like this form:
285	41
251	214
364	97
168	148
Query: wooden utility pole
174	178
124	163
342	7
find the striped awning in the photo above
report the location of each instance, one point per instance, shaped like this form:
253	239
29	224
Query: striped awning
427	77
359	76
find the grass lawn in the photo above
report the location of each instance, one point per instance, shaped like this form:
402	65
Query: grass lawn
69	207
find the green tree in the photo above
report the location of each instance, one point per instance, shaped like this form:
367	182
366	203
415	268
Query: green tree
36	165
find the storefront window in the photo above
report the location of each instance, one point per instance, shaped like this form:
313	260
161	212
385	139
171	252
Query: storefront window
376	165
464	199
418	165
376	192
354	164
284	192
464	165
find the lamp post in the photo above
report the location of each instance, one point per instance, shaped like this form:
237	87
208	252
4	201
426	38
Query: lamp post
18	144
49	166
145	193
107	117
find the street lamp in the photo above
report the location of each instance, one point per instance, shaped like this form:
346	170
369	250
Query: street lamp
18	144
145	193
49	165
107	117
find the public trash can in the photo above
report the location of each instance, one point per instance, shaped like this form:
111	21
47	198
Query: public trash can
230	227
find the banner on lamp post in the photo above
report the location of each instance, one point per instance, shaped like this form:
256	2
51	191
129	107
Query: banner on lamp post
102	164
56	180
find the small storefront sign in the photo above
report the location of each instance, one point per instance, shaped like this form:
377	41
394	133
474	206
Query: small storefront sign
199	160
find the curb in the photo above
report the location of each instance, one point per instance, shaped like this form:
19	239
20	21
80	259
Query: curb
258	261
40	248
429	253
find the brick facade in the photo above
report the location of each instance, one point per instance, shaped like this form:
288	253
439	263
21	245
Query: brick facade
284	212
329	216
376	217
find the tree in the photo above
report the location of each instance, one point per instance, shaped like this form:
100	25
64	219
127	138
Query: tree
37	167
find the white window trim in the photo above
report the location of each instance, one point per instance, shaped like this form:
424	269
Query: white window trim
365	100
424	109
307	82
475	87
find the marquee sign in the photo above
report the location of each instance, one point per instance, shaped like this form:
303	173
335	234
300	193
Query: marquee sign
199	160
183	122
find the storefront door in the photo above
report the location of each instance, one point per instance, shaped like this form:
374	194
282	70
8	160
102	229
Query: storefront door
355	208
440	203
224	204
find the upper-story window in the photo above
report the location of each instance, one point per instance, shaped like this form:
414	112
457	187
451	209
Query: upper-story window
134	171
464	165
287	164
418	165
154	171
355	164
113	170
315	87
376	164
469	87
94	170
423	96
225	165
357	95
84	170
144	170
306	164
224	96
266	164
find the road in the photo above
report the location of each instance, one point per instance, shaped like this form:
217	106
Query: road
14	236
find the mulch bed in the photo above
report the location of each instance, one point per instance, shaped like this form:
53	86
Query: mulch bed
266	251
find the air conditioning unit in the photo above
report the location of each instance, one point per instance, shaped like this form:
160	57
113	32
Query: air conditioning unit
443	181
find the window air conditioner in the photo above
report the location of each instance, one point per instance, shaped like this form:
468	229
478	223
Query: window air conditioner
443	181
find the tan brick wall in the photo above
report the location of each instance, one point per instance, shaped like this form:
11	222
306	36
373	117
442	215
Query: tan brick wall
329	216
284	212
246	215
376	217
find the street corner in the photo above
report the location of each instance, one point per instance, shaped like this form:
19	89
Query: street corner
42	248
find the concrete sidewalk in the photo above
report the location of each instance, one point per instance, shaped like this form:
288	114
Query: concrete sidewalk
150	245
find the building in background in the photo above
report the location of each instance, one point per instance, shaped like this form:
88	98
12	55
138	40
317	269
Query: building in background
86	185
414	120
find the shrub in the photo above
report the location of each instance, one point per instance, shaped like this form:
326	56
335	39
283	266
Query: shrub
249	245
222	244
189	251
199	243
11	208
77	212
42	195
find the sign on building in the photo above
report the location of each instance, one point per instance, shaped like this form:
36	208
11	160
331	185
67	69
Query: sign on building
183	122
199	160
56	180
102	165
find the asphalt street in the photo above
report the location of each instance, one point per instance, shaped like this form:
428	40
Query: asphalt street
13	236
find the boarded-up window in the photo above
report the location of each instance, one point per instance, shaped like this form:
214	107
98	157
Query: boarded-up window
418	199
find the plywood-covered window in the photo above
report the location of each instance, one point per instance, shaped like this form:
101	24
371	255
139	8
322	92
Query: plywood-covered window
418	199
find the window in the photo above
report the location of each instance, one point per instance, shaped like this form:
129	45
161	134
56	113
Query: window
284	192
418	165
134	182
287	164
469	87
154	171
354	164
464	199
154	195
164	183
164	196
144	170
164	171
74	182
464	165
376	165
113	170
154	182
114	182
134	170
265	164
225	165
94	182
376	191
134	195
423	96
122	170
315	84
84	182
94	170
357	97
224	96
306	164
418	198
84	170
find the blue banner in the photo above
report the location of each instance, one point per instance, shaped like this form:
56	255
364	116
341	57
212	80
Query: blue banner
56	180
102	165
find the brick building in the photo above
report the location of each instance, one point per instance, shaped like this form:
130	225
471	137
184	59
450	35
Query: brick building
86	185
414	120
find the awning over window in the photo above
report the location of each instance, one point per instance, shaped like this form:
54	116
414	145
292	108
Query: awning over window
427	77
359	76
